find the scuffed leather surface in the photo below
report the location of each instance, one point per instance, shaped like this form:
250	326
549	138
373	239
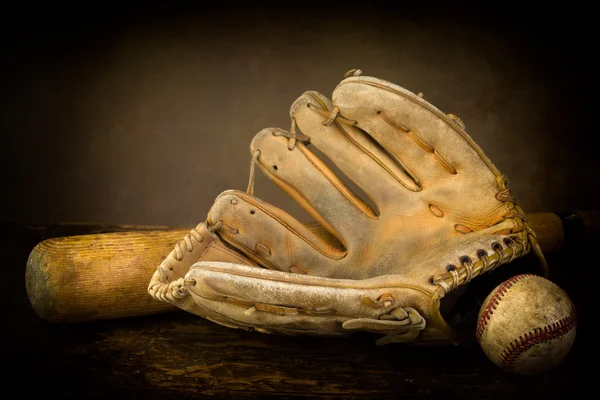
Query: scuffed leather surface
391	251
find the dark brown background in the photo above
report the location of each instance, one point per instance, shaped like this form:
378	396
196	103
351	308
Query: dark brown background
142	115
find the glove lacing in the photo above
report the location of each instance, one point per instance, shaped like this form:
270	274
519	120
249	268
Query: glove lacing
175	290
514	246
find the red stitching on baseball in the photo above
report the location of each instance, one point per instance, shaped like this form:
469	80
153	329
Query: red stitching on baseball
493	303
511	353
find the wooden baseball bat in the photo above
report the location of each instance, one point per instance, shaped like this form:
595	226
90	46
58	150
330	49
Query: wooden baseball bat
106	275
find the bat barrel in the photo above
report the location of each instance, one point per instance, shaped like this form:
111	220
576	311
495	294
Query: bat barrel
102	276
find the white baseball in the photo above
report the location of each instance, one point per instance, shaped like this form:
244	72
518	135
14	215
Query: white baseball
527	325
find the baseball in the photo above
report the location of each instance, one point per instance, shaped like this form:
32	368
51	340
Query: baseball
526	325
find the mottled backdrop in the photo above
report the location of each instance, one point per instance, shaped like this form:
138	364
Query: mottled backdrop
143	115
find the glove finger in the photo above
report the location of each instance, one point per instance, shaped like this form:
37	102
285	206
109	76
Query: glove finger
270	236
309	181
429	142
353	151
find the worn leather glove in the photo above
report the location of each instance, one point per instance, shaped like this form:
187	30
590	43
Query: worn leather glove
437	214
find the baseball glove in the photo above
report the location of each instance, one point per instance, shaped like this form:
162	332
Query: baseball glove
437	214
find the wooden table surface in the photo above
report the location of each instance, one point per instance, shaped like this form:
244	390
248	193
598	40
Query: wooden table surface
178	355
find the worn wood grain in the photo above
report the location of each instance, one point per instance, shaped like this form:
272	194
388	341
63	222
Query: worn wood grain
98	276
